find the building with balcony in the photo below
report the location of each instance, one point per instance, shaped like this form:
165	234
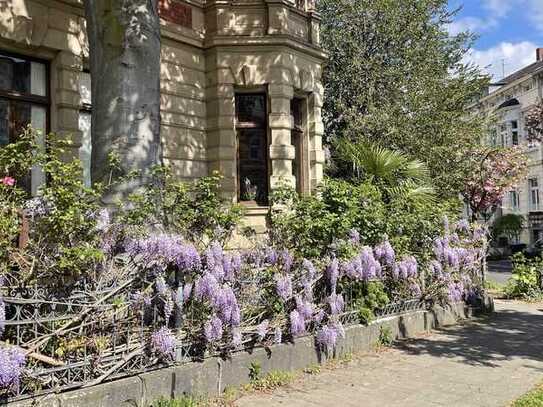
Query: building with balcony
241	88
508	102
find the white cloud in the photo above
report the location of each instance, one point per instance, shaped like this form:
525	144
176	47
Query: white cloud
514	55
496	12
535	13
472	24
499	8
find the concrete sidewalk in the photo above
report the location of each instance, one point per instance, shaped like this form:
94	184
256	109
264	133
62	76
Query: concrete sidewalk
486	363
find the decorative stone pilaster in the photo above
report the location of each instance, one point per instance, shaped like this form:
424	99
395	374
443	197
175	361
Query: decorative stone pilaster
282	152
65	98
316	131
221	134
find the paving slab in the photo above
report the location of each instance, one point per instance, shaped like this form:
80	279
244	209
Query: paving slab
487	362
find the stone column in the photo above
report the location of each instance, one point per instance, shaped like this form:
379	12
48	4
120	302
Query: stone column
221	134
315	132
282	152
65	71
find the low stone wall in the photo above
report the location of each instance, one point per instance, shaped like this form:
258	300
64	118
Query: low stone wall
213	375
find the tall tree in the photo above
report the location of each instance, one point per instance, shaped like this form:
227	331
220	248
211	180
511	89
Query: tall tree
124	39
395	76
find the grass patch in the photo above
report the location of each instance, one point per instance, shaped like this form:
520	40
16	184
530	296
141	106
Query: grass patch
185	401
271	381
531	399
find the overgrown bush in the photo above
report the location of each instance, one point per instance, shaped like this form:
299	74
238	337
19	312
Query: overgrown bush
526	279
312	224
342	254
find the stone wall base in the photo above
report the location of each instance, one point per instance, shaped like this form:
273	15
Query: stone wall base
213	375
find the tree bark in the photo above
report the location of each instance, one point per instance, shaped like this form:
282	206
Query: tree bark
124	40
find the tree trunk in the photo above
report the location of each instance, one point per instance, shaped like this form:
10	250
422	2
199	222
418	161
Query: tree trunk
124	39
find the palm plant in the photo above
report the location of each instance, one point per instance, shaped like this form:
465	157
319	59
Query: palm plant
397	175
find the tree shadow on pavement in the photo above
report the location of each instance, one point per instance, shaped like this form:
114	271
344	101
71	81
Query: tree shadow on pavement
506	335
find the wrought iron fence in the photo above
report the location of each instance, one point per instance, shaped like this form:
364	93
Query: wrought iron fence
113	344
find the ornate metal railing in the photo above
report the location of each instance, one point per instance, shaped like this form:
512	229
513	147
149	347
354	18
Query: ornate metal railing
112	344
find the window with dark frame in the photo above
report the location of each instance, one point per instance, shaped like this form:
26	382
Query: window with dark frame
252	149
24	100
297	140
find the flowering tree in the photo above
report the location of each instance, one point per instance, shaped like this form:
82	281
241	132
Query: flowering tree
534	123
492	172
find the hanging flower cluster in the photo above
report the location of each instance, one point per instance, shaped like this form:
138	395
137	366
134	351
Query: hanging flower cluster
12	361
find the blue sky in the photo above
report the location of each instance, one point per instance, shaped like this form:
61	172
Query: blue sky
509	32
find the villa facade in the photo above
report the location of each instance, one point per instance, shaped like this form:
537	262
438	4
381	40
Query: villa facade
508	102
241	88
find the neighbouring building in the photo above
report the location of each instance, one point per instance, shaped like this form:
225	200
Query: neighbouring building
241	88
508	102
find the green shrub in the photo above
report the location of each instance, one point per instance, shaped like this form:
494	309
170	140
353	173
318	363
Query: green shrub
313	224
526	278
372	296
194	210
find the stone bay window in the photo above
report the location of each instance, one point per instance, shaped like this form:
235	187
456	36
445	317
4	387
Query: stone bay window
241	90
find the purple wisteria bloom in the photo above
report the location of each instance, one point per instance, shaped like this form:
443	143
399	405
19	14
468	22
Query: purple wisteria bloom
187	291
12	361
160	285
213	329
436	269
213	259
206	287
226	306
163	342
407	268
163	250
262	329
337	303
415	290
354	236
304	308
188	258
297	323
283	286
287	260
237	338
455	291
451	257
369	267
2	316
328	335
277	335
462	226
270	256
309	268
332	273
385	253
319	316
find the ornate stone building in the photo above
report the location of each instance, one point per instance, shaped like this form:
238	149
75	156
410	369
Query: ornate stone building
506	104
241	88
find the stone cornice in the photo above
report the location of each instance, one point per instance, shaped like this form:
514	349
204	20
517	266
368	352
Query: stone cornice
268	40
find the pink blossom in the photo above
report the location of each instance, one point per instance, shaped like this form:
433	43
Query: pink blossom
9	181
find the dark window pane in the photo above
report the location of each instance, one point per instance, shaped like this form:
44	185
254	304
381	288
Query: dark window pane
14	117
296	112
14	74
253	169
251	109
